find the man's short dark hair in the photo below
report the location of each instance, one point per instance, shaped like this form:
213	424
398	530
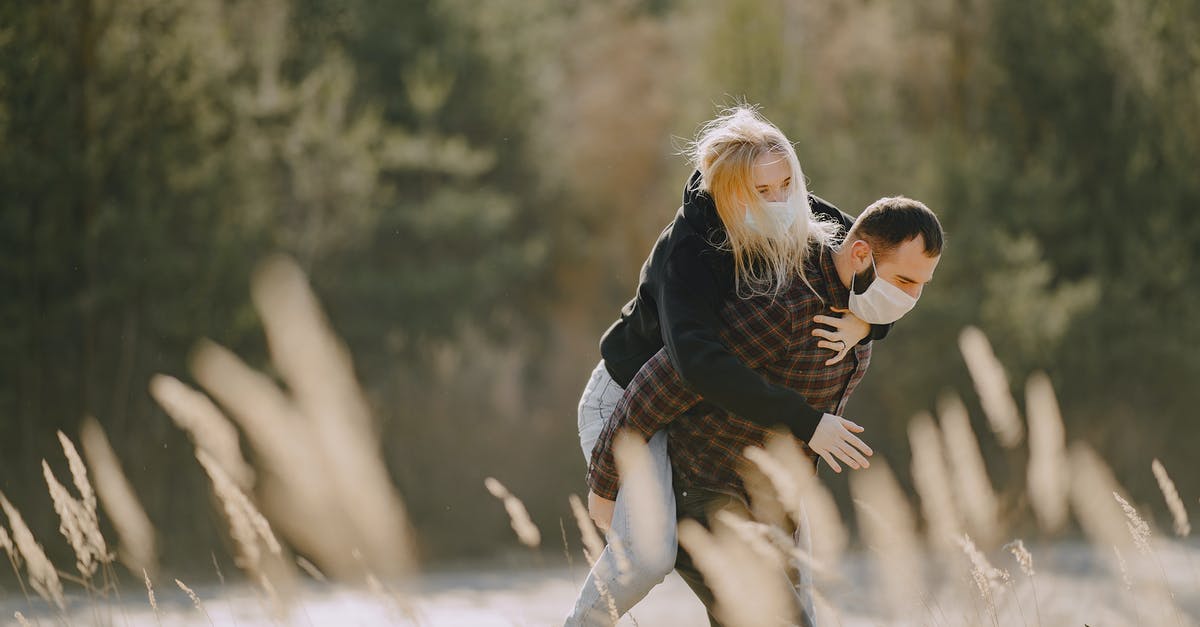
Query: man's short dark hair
889	222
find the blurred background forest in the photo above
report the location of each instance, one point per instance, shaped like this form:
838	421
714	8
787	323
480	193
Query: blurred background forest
472	187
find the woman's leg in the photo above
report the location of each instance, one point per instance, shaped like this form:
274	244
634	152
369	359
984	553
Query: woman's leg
633	563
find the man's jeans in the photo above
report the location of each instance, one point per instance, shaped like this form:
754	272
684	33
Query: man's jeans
648	558
700	505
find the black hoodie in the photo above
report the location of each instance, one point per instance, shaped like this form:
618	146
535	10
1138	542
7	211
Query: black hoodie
680	290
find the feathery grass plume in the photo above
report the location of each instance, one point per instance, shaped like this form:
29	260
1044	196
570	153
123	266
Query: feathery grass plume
298	492
982	573
21	619
592	544
134	529
823	517
42	575
748	589
327	489
89	520
195	599
150	595
1178	511
319	372
208	428
311	569
1022	555
1138	529
647	515
1092	487
1047	480
931	479
71	520
7	545
972	486
886	520
247	526
991	383
79	474
527	532
1025	560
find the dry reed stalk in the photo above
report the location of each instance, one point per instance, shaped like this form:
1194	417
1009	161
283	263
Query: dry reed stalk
208	428
21	619
822	513
748	589
79	474
991	383
71	522
1138	529
195	599
327	490
42	574
134	529
311	569
972	486
887	523
1047	481
592	544
527	532
150	595
1174	503
1093	488
983	574
931	479
319	372
247	526
1025	560
298	492
647	515
593	547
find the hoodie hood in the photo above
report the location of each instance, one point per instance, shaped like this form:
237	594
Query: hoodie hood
700	211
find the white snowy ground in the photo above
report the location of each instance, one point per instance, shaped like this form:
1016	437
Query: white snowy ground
1073	587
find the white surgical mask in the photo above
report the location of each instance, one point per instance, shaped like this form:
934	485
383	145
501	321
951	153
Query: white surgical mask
881	302
782	214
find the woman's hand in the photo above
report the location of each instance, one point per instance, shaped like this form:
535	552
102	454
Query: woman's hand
848	331
601	510
834	439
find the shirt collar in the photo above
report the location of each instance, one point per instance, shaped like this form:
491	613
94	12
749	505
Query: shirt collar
836	294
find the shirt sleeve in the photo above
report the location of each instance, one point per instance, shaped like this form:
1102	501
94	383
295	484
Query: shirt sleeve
689	300
654	398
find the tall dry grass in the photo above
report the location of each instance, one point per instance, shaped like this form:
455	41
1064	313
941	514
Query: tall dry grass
742	555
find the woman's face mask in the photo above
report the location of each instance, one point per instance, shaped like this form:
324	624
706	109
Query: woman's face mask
782	216
881	302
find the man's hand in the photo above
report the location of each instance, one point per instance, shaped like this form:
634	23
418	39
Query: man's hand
833	438
601	510
848	331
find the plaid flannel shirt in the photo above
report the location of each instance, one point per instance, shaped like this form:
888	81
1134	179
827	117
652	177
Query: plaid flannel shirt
772	336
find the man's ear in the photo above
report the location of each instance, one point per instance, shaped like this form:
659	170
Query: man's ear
860	253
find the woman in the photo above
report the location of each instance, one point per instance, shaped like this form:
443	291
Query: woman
746	227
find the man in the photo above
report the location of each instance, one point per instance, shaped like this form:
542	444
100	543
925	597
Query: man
878	273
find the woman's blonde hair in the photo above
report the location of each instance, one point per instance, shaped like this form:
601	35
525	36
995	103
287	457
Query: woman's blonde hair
725	151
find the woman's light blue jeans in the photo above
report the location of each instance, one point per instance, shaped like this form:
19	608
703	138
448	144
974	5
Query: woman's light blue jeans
611	589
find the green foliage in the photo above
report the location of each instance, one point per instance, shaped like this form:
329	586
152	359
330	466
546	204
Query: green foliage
473	186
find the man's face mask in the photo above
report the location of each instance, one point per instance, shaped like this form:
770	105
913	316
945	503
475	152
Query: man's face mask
881	302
